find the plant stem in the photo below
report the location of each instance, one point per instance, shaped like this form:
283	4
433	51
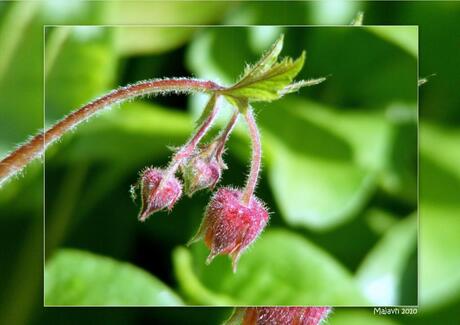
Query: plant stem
18	159
191	144
256	156
223	137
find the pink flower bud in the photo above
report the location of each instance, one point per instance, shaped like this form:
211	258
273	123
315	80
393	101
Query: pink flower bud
201	171
282	315
229	226
154	196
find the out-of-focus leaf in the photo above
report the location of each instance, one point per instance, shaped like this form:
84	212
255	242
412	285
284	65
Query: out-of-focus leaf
150	39
212	54
21	112
347	316
380	274
143	40
361	65
265	274
129	133
405	37
322	172
333	12
75	277
68	87
20	74
439	216
400	175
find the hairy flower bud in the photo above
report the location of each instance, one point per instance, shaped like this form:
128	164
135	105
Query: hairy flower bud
202	170
156	197
279	316
229	226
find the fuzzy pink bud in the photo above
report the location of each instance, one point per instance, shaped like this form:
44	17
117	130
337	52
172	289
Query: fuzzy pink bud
157	193
284	315
229	226
202	170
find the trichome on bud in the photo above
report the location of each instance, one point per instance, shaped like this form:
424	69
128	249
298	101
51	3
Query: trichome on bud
202	170
229	226
279	316
157	192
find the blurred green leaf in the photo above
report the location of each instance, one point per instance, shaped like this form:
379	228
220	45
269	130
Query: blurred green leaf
75	277
324	180
439	215
20	74
265	274
21	113
212	54
83	68
401	174
165	12
405	37
135	40
347	316
136	131
380	274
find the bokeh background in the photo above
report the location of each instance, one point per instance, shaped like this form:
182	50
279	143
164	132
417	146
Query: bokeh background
84	180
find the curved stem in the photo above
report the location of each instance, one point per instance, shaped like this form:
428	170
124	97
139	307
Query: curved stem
223	137
191	144
256	157
35	147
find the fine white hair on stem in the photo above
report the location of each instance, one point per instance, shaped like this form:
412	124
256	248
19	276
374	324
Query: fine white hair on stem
14	162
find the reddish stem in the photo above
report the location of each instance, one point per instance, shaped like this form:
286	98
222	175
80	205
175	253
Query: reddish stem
223	137
191	144
18	159
251	182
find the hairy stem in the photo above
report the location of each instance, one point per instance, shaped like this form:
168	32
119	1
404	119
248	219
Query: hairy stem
35	147
223	136
191	144
256	157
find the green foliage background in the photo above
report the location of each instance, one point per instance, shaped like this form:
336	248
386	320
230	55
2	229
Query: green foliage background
343	193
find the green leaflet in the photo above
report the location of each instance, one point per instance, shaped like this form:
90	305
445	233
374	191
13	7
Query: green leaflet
269	79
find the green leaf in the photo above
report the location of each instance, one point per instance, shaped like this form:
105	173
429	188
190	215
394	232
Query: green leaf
380	274
20	74
67	88
406	37
21	111
439	216
268	274
124	133
74	277
135	40
267	79
323	181
265	63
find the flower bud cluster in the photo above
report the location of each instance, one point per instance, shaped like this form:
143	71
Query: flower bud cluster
234	218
